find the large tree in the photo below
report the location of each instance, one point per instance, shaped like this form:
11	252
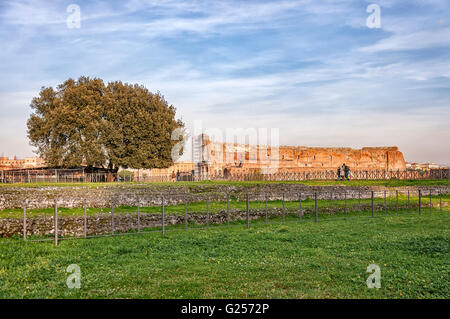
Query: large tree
88	122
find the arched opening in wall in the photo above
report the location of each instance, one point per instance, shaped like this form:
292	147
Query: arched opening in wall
314	157
226	173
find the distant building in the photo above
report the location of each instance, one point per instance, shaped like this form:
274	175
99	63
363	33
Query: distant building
15	163
421	167
224	158
183	168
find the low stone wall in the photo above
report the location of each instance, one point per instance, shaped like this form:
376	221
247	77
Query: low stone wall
150	195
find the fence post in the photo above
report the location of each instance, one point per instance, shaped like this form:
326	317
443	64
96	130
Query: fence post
228	209
385	206
56	223
185	213
431	205
408	203
139	215
85	219
315	208
265	201
284	211
359	202
373	209
163	217
440	201
396	203
345	201
25	221
420	202
300	205
207	212
248	214
112	218
331	203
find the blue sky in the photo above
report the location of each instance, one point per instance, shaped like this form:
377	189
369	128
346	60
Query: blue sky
311	68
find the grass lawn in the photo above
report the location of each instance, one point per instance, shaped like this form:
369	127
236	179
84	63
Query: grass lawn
295	260
387	183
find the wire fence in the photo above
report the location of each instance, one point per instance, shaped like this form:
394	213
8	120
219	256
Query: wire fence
82	176
185	212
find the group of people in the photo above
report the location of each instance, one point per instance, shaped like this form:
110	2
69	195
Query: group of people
343	172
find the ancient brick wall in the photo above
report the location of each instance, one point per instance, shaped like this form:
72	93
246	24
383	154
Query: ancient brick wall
246	158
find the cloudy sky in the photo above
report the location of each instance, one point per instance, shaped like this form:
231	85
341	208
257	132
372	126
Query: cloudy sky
311	68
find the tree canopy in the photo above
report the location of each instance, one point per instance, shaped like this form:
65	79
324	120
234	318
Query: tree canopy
85	122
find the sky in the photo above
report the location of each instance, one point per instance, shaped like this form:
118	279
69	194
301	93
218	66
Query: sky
313	69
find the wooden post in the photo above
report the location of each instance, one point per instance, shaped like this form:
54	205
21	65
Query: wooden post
85	219
56	223
385	206
284	211
440	201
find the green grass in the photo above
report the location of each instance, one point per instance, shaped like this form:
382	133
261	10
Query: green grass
387	183
295	260
215	207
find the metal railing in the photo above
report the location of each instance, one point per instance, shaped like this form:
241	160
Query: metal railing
80	176
181	212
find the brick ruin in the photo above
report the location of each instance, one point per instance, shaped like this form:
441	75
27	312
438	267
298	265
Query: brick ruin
233	158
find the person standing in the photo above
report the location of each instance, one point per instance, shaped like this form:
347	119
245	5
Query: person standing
346	171
338	173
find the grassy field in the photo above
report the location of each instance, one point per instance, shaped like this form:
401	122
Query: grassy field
386	183
294	260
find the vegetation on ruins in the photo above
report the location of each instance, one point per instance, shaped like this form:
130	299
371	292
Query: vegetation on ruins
87	122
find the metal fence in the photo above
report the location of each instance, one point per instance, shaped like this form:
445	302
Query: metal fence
80	175
77	175
332	175
181	212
